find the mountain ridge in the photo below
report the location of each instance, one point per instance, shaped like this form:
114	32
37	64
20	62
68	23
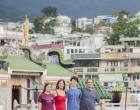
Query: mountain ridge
75	8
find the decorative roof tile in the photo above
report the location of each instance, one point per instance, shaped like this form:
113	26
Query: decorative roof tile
103	93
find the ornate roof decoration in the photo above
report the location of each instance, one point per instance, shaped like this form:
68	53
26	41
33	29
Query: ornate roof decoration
61	56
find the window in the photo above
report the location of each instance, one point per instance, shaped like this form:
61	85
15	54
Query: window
95	77
134	77
125	63
138	77
68	51
80	50
87	76
80	76
113	64
76	51
78	70
72	51
136	63
92	70
87	63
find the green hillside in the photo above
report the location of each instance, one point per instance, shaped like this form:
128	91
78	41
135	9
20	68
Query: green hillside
75	8
11	14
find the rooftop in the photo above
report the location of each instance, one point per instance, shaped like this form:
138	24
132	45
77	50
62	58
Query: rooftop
103	93
2	71
22	63
87	56
129	39
48	46
56	70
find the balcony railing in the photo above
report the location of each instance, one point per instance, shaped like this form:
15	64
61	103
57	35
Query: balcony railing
107	70
113	55
134	55
120	55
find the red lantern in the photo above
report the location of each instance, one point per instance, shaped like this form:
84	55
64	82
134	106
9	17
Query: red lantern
135	42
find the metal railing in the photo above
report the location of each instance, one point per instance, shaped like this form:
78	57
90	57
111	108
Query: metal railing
119	106
22	106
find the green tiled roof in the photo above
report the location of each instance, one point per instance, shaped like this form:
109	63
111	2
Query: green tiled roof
22	63
129	39
2	71
56	70
103	93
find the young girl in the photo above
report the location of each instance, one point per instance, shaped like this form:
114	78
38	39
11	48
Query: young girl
60	96
46	100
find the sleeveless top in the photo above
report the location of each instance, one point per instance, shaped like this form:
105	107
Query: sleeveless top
60	102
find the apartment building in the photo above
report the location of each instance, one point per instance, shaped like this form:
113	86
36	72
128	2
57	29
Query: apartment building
64	27
83	22
111	67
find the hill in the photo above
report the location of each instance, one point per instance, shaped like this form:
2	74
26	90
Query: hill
75	8
11	14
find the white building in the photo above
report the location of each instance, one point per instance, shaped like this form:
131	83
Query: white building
18	25
64	25
13	38
68	50
94	41
137	15
83	22
63	19
106	18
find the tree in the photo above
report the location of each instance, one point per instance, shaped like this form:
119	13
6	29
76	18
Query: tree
50	11
119	28
130	29
38	24
51	23
89	29
31	31
75	30
73	23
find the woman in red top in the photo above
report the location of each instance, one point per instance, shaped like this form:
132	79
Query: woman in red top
60	96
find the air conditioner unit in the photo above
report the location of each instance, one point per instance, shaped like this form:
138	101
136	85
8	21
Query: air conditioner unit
126	79
125	55
125	75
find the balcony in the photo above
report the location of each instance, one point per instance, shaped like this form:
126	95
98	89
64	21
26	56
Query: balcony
137	69
116	70
112	55
106	70
120	55
134	55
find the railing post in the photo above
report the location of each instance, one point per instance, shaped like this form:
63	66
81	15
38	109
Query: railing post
139	104
15	103
121	106
32	105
